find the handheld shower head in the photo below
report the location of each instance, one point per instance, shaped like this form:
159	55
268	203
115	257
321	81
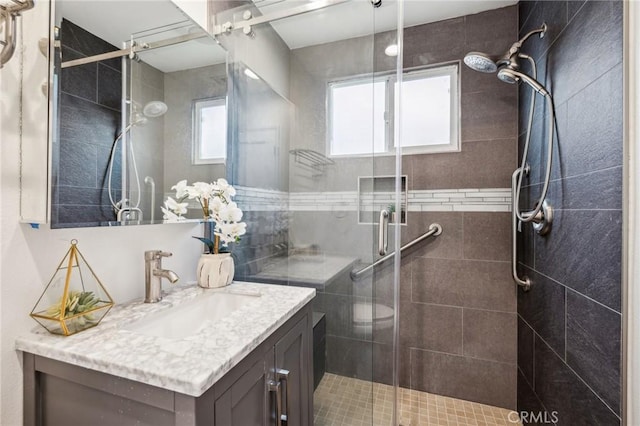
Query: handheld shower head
151	109
154	109
512	76
481	62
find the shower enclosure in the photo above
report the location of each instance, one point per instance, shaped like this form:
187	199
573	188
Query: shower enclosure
443	335
351	134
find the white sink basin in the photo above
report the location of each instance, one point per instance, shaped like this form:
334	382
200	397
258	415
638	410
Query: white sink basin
190	317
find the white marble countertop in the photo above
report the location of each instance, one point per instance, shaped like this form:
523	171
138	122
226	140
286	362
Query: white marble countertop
189	365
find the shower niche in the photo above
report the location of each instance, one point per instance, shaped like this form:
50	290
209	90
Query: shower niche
376	193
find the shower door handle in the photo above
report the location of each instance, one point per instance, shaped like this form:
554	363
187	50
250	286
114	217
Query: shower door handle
383	240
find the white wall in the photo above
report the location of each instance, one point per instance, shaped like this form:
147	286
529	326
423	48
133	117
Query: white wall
29	256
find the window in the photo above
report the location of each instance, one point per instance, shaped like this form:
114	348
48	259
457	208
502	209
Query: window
210	131
361	119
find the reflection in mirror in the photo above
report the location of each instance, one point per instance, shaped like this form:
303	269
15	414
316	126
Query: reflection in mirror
262	125
139	104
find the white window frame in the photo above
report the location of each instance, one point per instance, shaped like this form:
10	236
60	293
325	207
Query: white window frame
196	143
451	69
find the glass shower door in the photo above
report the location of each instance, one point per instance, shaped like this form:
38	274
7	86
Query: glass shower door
312	155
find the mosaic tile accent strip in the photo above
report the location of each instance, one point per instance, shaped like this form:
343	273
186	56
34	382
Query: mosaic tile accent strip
256	199
437	200
344	401
440	200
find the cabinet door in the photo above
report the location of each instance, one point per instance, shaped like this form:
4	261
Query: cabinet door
293	370
247	402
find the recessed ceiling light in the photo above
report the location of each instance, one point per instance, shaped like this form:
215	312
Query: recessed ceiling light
251	74
391	50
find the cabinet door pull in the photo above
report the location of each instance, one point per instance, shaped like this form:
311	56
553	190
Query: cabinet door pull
277	388
283	376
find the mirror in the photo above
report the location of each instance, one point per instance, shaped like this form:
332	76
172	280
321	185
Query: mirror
140	101
262	121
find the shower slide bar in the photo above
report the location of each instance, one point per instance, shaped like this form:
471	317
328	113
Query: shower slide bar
227	27
131	51
435	229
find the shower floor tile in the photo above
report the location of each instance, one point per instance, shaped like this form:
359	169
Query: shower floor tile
344	401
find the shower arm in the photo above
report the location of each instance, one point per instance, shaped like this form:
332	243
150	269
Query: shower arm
515	47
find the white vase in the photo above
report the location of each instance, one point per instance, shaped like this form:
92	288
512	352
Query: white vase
215	270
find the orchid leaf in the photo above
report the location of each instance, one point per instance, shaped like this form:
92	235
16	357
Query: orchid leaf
209	243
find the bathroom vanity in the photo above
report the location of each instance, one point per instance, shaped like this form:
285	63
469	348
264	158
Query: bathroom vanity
149	364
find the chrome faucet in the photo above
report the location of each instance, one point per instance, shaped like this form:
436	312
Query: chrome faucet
153	274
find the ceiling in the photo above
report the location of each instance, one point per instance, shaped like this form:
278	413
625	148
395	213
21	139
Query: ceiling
358	17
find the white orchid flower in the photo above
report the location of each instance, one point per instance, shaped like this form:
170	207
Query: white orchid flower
227	191
176	207
222	184
215	206
231	213
228	232
239	228
201	190
170	216
221	209
180	188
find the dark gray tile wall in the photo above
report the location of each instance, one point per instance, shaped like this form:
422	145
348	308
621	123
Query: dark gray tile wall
89	108
458	313
458	317
569	324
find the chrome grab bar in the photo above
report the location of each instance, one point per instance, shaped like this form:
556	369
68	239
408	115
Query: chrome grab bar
525	283
435	229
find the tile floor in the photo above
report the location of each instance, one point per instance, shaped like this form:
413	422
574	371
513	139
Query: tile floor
343	401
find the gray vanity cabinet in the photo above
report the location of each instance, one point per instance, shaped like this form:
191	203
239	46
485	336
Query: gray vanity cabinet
58	393
283	372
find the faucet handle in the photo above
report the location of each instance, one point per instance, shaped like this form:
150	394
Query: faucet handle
156	254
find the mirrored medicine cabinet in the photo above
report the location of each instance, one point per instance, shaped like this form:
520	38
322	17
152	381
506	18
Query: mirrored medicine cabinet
138	102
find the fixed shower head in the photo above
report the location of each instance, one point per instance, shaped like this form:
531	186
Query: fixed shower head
481	62
154	109
512	76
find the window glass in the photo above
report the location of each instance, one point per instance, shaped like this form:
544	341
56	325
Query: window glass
357	118
210	131
360	121
426	111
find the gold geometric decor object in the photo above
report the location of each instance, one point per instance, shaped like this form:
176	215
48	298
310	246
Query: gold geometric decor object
74	299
